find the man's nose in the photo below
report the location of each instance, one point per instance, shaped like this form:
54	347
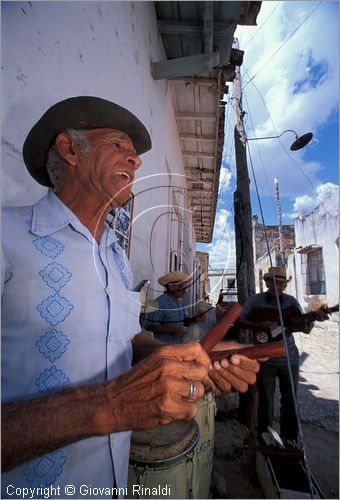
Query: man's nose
134	160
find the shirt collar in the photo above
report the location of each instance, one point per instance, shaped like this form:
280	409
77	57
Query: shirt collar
50	214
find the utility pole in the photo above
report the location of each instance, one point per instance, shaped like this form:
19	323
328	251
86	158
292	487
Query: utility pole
243	237
242	207
279	224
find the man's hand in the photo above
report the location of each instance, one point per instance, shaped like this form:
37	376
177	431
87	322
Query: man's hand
236	373
267	325
155	391
321	313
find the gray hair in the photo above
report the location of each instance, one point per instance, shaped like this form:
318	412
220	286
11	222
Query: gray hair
55	165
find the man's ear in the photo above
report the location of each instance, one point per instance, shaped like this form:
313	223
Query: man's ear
66	148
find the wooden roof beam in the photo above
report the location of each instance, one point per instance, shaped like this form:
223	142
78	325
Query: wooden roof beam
196	116
197	154
196	137
185	66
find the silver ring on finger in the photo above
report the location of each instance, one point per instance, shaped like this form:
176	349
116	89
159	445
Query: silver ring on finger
192	390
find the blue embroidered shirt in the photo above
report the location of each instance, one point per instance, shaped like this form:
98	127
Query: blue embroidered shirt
68	318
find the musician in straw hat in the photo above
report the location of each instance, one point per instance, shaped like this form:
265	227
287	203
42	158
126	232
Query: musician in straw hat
169	321
276	279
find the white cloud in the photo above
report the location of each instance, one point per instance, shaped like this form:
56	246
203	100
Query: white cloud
225	180
222	249
304	204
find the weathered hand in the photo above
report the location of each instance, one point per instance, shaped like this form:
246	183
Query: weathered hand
267	325
236	373
322	314
155	390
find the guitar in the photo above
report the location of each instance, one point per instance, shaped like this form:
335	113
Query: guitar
293	319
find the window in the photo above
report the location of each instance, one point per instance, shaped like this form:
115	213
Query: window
122	224
314	272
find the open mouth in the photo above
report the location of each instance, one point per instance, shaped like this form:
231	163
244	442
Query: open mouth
125	175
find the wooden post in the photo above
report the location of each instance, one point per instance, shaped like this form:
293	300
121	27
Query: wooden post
243	241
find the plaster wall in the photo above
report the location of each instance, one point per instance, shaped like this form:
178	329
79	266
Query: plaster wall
55	50
321	227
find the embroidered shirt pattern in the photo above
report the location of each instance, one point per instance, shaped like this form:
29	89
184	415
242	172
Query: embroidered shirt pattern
48	246
52	344
44	470
55	275
55	309
51	380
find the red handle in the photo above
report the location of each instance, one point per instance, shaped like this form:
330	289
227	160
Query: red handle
270	350
218	331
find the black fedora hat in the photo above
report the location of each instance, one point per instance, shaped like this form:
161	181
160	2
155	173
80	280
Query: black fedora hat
82	112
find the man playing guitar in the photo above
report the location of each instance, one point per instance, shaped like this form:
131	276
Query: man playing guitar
252	319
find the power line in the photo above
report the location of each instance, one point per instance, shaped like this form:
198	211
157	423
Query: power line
281	143
284	43
260	27
259	153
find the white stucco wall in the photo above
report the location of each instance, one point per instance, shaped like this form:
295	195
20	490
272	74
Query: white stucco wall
54	50
321	227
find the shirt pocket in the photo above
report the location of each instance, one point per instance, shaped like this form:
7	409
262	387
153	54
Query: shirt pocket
129	305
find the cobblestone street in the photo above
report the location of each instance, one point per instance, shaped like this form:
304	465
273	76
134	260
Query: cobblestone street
318	398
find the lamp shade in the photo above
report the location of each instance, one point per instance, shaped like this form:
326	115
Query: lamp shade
301	142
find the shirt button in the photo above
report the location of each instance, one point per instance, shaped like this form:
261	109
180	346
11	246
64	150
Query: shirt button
108	290
110	338
112	440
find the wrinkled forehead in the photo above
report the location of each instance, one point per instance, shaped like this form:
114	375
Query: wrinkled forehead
108	135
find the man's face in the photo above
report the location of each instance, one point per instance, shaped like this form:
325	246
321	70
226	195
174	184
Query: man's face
281	285
178	290
107	171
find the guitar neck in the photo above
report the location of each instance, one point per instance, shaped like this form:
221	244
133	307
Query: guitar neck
311	316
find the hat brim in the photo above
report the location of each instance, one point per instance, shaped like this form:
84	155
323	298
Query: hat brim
277	278
82	112
174	278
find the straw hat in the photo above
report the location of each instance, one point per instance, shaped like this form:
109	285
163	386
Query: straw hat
175	277
279	273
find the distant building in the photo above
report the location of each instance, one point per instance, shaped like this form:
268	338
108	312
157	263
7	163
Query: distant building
223	280
311	254
261	256
317	255
202	275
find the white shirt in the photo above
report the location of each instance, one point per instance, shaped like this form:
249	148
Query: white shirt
67	319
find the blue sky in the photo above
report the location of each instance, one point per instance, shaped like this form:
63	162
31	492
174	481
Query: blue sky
290	80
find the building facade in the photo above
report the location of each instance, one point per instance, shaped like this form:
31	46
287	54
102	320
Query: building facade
317	255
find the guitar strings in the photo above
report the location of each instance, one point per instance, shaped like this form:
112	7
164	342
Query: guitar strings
284	338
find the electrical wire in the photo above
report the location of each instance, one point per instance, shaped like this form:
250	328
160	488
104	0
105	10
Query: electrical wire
284	43
284	338
276	132
260	156
260	27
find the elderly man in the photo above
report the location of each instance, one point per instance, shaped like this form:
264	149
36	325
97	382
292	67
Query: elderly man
70	322
275	368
